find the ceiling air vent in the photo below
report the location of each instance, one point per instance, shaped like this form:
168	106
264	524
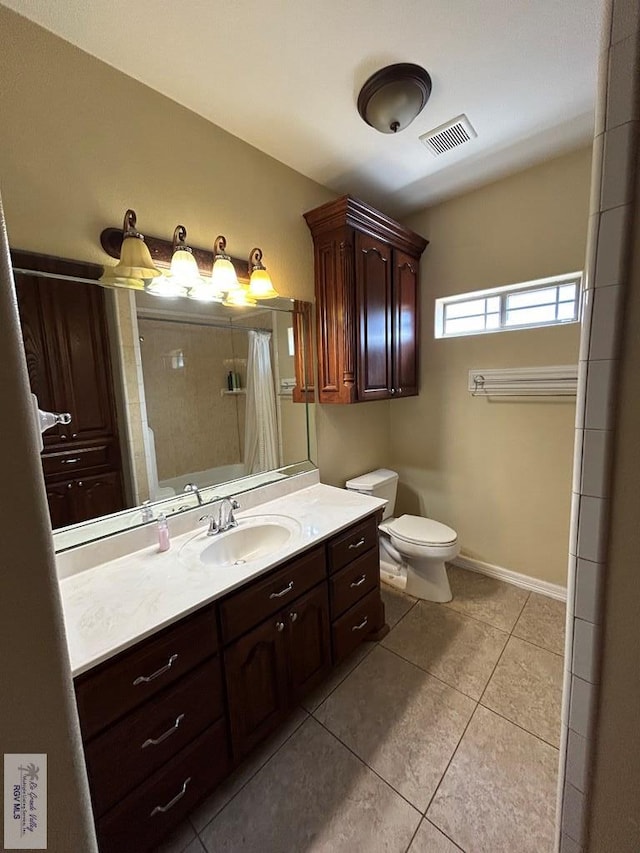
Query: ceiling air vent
449	135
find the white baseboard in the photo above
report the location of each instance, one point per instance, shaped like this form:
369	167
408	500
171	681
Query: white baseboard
552	590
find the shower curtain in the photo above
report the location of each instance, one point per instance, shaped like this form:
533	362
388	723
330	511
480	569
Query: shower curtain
261	431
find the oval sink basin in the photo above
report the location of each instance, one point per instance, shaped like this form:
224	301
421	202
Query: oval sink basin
253	539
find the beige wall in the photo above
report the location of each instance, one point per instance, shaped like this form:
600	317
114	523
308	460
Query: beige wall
497	471
80	142
352	439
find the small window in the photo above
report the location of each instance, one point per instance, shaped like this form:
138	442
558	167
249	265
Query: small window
545	302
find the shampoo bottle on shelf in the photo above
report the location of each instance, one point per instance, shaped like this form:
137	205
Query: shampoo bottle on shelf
163	534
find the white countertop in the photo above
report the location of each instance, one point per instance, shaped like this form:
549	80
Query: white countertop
112	606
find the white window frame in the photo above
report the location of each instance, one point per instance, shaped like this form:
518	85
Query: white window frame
502	293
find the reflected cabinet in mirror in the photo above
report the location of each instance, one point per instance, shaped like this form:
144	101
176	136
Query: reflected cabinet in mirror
170	399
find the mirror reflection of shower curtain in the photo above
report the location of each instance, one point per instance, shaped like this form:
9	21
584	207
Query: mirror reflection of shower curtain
261	429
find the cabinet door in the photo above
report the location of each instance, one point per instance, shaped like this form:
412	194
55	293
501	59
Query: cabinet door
59	498
100	494
309	641
257	688
37	326
405	325
83	362
373	306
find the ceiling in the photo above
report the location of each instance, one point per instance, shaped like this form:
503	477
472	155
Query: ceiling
284	75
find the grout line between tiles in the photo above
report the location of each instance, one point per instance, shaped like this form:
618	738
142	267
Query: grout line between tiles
446	769
518	726
414	835
368	766
538	646
264	764
493	671
482	621
430	674
455	844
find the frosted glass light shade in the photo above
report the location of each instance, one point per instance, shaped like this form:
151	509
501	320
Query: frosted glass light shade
239	297
392	97
166	286
260	285
135	265
223	276
204	291
183	275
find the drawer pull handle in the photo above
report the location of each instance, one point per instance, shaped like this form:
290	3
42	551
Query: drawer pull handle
357	544
360	626
171	803
293	616
69	461
359	582
279	626
155	741
282	592
144	679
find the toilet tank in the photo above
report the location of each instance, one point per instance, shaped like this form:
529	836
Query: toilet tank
379	484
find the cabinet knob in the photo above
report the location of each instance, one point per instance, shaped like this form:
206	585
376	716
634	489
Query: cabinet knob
279	626
393	390
69	485
293	616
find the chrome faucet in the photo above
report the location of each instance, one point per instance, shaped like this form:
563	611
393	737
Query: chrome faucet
146	512
223	519
193	488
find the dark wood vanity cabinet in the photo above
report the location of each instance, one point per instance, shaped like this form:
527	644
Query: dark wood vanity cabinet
270	668
155	732
165	721
366	287
65	336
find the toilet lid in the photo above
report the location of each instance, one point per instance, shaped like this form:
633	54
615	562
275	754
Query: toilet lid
422	531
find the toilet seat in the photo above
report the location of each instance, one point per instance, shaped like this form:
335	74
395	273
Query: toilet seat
416	530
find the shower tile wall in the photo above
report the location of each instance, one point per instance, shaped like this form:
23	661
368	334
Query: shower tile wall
606	270
185	368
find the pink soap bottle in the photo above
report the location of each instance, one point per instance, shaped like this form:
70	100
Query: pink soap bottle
163	534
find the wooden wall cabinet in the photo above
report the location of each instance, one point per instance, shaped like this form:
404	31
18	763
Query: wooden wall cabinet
367	288
65	336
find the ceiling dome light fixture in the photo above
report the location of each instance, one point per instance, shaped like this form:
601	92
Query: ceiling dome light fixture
392	97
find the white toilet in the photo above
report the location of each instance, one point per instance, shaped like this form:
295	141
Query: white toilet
413	549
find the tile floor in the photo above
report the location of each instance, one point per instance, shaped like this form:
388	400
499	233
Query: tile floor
442	738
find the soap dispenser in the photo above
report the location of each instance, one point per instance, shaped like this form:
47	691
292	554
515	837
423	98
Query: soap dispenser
163	534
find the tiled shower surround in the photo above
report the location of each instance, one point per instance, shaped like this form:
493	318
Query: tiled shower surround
606	270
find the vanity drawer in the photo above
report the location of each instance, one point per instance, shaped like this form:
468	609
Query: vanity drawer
243	610
355	625
79	460
355	541
354	581
119	685
139	822
147	738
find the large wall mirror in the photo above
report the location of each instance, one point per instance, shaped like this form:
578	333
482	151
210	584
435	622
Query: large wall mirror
173	402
